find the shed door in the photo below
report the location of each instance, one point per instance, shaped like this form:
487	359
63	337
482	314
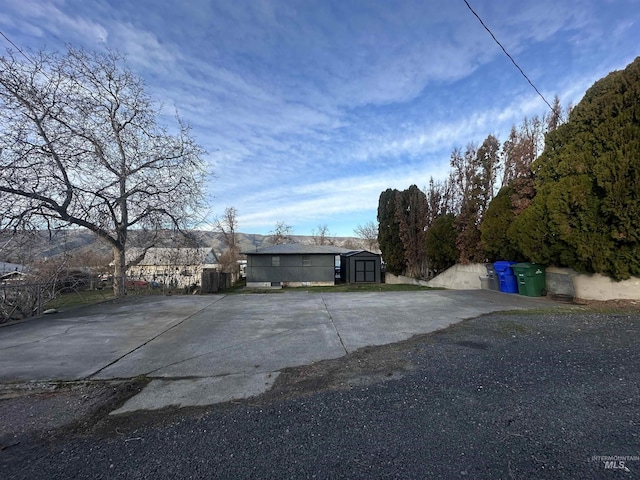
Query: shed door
365	271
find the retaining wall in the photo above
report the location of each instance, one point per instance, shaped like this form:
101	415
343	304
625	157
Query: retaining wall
559	281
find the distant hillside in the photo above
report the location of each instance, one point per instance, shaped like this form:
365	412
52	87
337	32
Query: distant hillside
26	248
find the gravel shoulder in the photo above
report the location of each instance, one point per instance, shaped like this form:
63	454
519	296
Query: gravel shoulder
501	396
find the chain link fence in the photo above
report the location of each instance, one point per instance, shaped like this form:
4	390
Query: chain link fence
22	300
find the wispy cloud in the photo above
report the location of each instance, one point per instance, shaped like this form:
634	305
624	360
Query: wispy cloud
313	202
310	109
47	19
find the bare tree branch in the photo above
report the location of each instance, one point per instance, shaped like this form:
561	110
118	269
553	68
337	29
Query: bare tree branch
281	234
368	233
80	144
322	236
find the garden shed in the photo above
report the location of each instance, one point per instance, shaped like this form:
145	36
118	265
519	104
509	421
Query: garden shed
361	266
293	265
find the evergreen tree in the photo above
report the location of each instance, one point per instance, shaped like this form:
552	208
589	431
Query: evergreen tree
389	232
498	218
411	215
586	212
440	243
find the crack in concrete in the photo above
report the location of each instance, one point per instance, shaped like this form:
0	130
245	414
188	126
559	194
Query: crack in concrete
334	326
218	350
67	330
231	346
151	339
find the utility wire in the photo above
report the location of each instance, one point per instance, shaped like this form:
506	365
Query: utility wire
507	54
32	61
16	47
36	65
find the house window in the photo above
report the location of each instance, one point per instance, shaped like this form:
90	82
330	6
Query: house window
306	261
275	261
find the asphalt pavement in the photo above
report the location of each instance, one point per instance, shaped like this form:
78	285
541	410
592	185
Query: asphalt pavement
496	397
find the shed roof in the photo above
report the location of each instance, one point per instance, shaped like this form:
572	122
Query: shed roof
298	249
359	252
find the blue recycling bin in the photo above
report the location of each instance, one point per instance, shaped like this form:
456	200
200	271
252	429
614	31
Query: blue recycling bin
506	277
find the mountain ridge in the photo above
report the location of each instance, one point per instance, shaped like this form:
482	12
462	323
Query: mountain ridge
25	248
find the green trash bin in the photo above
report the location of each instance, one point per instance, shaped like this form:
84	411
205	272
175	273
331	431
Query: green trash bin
530	279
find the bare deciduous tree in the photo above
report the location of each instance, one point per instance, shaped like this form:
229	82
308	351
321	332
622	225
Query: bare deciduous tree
80	144
322	236
440	199
228	227
25	296
523	146
477	181
368	233
280	234
461	174
488	166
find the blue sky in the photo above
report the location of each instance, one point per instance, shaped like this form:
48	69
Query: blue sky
310	109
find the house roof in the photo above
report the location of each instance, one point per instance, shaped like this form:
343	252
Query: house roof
6	267
15	275
174	256
298	249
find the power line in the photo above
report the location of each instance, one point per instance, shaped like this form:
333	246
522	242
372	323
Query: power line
32	61
507	54
16	47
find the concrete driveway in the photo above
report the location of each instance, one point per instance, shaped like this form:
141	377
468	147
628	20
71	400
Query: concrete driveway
202	350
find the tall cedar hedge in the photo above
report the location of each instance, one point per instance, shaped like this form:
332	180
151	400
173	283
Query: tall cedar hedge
586	212
389	233
440	243
495	224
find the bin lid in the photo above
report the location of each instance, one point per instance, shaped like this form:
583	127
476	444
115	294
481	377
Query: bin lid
522	265
531	268
502	265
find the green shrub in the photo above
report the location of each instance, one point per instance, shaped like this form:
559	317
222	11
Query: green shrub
586	212
440	243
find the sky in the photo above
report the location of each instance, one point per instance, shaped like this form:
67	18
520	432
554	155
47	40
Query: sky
308	110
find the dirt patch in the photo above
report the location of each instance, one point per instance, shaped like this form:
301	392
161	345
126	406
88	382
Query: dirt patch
366	366
39	411
605	305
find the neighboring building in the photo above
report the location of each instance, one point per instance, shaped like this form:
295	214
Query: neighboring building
293	265
13	277
11	267
176	267
361	266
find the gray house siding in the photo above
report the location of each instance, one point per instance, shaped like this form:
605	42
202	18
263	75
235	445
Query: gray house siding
361	267
290	270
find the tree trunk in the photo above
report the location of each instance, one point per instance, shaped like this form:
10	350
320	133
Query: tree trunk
119	272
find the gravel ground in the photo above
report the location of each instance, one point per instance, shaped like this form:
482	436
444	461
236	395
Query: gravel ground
502	396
